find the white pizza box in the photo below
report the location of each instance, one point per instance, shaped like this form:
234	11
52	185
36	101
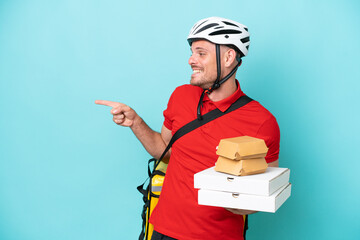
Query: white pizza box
245	201
263	184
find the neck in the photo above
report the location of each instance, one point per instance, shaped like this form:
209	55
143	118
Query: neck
225	90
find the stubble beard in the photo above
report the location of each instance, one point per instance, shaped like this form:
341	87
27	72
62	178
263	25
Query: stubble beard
203	83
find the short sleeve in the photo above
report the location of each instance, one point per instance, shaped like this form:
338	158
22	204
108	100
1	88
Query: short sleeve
169	113
167	121
270	132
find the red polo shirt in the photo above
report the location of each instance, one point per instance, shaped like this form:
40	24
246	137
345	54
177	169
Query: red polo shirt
178	214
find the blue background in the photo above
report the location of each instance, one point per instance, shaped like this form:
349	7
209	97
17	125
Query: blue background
68	172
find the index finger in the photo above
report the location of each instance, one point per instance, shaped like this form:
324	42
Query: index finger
107	103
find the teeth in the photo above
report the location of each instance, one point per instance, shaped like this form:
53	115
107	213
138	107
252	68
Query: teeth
196	71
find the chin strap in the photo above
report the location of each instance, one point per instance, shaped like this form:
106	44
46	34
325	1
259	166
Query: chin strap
217	82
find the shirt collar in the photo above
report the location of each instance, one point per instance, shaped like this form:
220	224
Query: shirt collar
224	104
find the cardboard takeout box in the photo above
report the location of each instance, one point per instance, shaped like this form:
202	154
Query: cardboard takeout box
263	184
243	147
241	156
245	201
241	167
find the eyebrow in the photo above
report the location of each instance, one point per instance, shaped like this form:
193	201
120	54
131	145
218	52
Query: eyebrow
201	48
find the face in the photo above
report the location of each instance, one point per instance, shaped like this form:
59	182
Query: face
203	64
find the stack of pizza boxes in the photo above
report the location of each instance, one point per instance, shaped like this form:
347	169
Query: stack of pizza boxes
241	178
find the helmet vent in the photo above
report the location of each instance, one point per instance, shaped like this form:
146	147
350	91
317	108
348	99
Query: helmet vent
200	25
229	23
206	27
245	40
229	31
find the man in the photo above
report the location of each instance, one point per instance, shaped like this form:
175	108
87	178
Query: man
217	46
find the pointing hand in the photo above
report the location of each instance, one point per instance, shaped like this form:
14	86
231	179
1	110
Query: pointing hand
123	115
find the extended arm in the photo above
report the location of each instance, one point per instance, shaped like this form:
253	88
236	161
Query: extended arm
154	142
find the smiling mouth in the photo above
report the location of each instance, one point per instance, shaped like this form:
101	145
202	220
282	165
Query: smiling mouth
197	71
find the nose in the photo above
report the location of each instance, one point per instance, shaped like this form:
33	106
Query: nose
192	60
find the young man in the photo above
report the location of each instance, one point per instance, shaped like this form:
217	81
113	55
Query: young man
217	46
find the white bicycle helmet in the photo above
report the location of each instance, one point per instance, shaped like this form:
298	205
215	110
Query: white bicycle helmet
221	31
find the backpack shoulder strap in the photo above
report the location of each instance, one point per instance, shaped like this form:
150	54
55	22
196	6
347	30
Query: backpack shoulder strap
208	117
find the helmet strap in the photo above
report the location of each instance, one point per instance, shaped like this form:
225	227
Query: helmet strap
217	82
218	64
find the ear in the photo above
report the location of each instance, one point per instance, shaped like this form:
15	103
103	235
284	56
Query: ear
229	57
